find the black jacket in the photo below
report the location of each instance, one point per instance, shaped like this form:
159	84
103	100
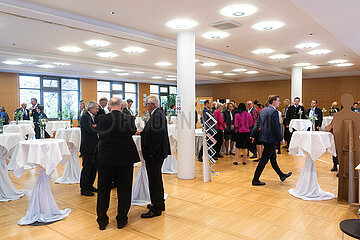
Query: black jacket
126	112
293	113
318	112
26	115
116	146
227	118
268	123
89	134
35	114
154	138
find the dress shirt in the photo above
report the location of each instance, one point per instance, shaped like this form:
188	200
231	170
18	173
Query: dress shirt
92	116
312	112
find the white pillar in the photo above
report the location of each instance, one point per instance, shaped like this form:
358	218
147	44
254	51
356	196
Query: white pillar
186	92
296	83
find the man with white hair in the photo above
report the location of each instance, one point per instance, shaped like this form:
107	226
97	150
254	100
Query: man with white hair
116	155
26	112
155	148
89	140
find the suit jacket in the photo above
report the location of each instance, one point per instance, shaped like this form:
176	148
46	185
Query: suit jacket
26	115
204	116
319	114
154	138
293	113
89	134
227	118
35	114
252	111
101	111
126	112
269	126
116	146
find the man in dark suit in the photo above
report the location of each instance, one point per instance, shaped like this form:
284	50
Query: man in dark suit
89	140
204	118
26	112
116	155
35	116
155	148
314	110
269	136
293	112
125	108
252	146
102	104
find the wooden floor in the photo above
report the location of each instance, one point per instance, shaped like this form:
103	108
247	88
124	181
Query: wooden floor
226	208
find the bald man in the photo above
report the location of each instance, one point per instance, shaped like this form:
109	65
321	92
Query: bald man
23	109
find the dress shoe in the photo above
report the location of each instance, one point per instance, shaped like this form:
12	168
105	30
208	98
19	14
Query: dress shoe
121	224
93	189
150	206
150	214
227	153
253	156
256	160
231	153
219	156
334	169
257	183
243	163
87	193
215	158
102	227
285	176
200	159
235	163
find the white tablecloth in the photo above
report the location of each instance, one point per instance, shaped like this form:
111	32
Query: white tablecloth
299	125
8	191
23	122
72	169
326	122
23	129
46	154
312	145
53	126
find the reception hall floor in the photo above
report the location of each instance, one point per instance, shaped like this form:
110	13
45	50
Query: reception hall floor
226	208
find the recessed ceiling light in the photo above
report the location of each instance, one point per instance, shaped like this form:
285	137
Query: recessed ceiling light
215	35
302	64
100	71
163	64
10	62
279	56
136	72
268	25
181	23
70	49
27	60
209	64
97	43
216	72
156	77
171	79
197	60
229	74
172	76
251	72
263	51
311	67
134	50
117	70
107	54
122	74
61	64
46	66
337	61
238	10
344	64
319	52
307	45
239	70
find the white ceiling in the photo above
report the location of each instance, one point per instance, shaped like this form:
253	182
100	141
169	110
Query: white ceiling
36	28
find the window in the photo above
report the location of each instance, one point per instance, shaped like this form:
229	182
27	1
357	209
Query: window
162	92
55	93
121	90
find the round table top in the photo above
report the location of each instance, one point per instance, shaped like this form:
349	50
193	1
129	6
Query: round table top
41	141
351	227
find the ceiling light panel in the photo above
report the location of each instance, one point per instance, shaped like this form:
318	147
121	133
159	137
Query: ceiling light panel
97	43
307	45
279	56
180	24
215	35
107	54
268	25
238	10
209	64
263	51
134	50
163	64
70	49
319	52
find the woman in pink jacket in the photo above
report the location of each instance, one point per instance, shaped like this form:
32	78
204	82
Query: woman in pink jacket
220	126
243	120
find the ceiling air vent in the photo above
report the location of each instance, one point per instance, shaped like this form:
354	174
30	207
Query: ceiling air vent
291	52
322	65
225	25
101	49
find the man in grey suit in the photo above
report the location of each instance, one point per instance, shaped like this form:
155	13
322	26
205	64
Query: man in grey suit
270	136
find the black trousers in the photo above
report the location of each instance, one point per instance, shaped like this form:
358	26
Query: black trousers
287	135
124	187
88	172
269	153
252	146
219	137
37	132
156	187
